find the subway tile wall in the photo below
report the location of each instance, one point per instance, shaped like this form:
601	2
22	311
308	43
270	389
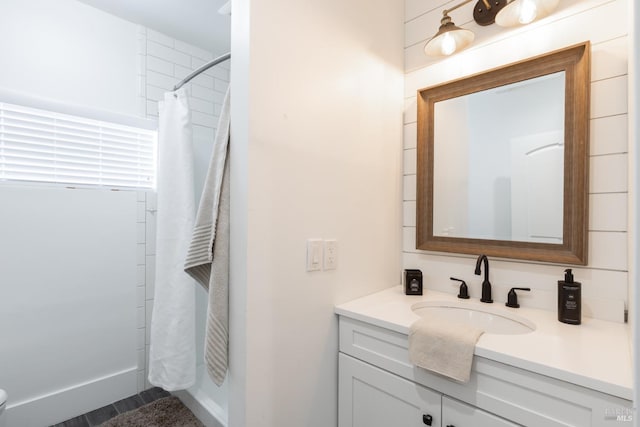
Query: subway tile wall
605	278
163	62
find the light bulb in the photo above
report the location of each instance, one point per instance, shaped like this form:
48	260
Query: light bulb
448	44
528	11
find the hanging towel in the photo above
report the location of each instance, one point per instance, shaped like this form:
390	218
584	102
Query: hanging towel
444	348
172	355
207	260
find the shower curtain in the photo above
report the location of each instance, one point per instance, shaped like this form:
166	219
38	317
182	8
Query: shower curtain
172	355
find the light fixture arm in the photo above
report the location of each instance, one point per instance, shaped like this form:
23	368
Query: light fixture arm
446	11
484	11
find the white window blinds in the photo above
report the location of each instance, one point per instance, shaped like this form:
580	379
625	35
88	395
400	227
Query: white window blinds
43	146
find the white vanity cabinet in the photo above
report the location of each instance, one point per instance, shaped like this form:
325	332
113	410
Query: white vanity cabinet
372	397
458	414
379	387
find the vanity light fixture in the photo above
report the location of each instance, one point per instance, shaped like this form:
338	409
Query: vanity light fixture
522	12
449	38
506	13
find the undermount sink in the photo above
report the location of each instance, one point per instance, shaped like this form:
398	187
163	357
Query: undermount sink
490	319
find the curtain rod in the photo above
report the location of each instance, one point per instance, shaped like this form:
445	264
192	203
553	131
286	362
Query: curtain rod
202	69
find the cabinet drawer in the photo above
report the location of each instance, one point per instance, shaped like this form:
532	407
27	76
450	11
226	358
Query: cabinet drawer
458	414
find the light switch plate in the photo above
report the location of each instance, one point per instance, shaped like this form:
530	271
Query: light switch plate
314	254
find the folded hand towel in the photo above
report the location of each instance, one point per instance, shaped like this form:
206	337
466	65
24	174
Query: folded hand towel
444	348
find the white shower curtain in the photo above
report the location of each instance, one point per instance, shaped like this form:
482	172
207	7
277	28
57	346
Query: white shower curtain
172	355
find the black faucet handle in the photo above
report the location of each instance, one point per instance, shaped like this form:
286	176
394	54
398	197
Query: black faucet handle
512	297
464	290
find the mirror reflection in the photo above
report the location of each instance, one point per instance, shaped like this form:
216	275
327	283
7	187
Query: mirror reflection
500	162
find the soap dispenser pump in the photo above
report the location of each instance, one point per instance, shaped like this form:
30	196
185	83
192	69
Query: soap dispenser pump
569	299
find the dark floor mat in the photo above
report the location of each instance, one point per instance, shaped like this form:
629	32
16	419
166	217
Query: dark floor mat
165	412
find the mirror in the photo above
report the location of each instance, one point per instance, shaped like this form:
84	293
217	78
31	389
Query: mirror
508	173
502	161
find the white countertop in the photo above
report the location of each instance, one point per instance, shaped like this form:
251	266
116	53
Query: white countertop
595	354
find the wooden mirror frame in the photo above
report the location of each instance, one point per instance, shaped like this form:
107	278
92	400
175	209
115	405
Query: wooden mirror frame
575	62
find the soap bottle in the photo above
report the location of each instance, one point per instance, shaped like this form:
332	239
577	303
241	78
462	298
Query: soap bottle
569	300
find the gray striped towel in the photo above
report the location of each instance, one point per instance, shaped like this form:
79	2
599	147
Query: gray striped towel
207	259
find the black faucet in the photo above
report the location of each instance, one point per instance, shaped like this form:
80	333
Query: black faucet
486	285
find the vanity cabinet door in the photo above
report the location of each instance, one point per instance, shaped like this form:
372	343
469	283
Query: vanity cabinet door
458	414
371	397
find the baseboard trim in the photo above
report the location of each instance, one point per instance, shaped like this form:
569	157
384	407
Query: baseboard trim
63	404
204	412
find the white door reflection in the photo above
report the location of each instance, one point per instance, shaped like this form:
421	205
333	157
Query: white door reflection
536	187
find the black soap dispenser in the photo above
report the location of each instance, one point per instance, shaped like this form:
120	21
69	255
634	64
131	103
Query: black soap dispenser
412	282
569	299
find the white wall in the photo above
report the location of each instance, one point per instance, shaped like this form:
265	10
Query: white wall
605	278
634	180
69	52
315	152
67	311
68	256
451	184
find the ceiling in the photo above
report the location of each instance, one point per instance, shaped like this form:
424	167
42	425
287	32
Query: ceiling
196	22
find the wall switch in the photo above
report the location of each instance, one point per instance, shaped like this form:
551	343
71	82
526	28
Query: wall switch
314	254
330	254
